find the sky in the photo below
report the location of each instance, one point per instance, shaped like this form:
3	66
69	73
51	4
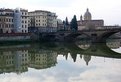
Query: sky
108	10
69	71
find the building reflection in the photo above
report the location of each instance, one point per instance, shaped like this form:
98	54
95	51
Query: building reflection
113	43
83	44
89	49
42	59
19	61
87	58
13	61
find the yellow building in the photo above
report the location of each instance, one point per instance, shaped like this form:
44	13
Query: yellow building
43	20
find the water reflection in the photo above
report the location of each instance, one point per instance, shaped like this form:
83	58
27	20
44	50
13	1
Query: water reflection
18	58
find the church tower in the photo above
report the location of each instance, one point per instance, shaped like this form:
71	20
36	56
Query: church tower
87	15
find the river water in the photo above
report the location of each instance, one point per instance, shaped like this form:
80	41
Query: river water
61	62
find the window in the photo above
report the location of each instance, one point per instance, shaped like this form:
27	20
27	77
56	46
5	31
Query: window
12	25
25	26
22	21
7	25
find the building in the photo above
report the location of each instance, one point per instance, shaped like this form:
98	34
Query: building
44	21
13	21
6	20
21	20
86	21
60	25
18	21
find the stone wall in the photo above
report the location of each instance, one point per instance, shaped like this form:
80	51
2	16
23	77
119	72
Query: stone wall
14	37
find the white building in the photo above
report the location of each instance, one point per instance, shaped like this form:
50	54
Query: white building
21	20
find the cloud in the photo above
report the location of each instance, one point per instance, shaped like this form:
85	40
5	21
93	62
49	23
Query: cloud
63	8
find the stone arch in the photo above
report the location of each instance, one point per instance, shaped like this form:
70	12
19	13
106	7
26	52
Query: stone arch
104	36
73	36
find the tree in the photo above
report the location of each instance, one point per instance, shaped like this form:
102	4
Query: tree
66	21
66	24
74	25
71	24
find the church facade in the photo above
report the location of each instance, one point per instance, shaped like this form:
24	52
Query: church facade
86	21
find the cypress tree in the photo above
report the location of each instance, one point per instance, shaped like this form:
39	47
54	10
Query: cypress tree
66	21
74	25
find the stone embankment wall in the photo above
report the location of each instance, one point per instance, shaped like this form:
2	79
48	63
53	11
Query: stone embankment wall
14	37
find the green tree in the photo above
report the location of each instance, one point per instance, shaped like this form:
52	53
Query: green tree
66	21
74	25
66	24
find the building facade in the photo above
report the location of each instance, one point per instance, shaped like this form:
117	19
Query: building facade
44	21
86	22
21	20
13	21
6	20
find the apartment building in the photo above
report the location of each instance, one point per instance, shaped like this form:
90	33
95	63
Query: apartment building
6	20
43	20
13	21
18	20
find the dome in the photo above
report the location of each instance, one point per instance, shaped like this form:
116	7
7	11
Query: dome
59	21
87	58
87	15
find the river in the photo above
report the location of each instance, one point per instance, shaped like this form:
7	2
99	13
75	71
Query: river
82	61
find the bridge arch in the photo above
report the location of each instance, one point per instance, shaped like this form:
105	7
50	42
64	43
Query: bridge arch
73	36
104	36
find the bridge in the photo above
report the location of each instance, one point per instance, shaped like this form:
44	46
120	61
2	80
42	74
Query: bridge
96	35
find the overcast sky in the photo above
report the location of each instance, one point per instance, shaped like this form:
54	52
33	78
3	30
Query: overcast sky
109	10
